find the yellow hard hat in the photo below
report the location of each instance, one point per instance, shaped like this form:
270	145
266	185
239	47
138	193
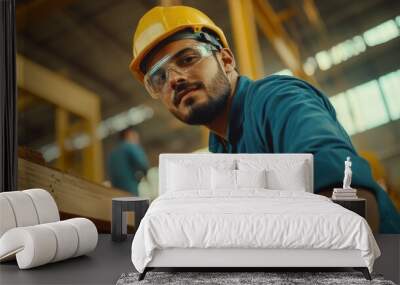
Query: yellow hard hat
161	22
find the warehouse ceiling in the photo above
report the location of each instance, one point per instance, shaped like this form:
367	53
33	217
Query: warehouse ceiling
89	42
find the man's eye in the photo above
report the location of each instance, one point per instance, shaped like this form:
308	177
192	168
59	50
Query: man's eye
158	78
187	60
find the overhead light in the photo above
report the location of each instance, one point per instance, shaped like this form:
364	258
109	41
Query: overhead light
381	33
324	60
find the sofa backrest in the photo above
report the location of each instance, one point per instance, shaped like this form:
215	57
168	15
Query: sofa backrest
297	169
26	208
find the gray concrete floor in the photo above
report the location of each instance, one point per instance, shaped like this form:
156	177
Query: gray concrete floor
111	259
102	266
388	264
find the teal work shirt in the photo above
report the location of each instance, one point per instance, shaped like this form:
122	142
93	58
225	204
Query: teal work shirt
282	114
123	163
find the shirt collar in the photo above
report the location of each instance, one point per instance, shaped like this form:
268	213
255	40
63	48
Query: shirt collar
235	119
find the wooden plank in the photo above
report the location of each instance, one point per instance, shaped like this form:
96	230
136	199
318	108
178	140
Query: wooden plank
74	195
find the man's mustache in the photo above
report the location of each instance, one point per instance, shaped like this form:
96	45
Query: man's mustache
182	87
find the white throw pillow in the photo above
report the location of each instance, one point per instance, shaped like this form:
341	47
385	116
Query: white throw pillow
193	174
251	178
183	177
292	179
223	179
281	174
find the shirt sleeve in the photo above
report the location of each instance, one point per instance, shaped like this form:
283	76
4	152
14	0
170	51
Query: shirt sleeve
301	119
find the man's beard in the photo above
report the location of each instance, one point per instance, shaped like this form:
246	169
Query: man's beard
205	113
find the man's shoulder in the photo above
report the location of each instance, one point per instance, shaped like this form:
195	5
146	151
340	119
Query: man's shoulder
269	90
275	90
277	85
275	79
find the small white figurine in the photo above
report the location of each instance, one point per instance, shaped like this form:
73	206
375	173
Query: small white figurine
347	174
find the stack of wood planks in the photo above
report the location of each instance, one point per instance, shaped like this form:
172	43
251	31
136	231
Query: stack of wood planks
75	196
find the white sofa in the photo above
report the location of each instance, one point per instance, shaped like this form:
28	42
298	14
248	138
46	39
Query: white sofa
31	231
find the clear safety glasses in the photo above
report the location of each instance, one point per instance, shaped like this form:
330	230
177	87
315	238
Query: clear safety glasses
182	61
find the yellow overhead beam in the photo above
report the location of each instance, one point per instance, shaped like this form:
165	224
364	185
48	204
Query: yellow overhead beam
68	97
271	25
313	15
32	11
245	37
26	100
57	89
286	14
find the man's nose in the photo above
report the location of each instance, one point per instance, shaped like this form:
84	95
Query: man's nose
175	77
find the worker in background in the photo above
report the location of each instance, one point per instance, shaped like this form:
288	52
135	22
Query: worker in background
127	163
183	59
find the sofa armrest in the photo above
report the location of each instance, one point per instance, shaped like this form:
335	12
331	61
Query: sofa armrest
40	244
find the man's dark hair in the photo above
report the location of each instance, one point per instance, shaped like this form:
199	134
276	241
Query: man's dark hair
122	134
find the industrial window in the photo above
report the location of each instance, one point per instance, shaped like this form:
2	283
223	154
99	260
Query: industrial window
347	49
341	52
343	112
390	84
367	105
381	33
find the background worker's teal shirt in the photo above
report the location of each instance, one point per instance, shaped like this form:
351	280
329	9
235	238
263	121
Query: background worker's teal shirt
123	162
282	114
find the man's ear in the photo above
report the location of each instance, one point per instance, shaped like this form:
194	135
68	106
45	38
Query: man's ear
228	60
